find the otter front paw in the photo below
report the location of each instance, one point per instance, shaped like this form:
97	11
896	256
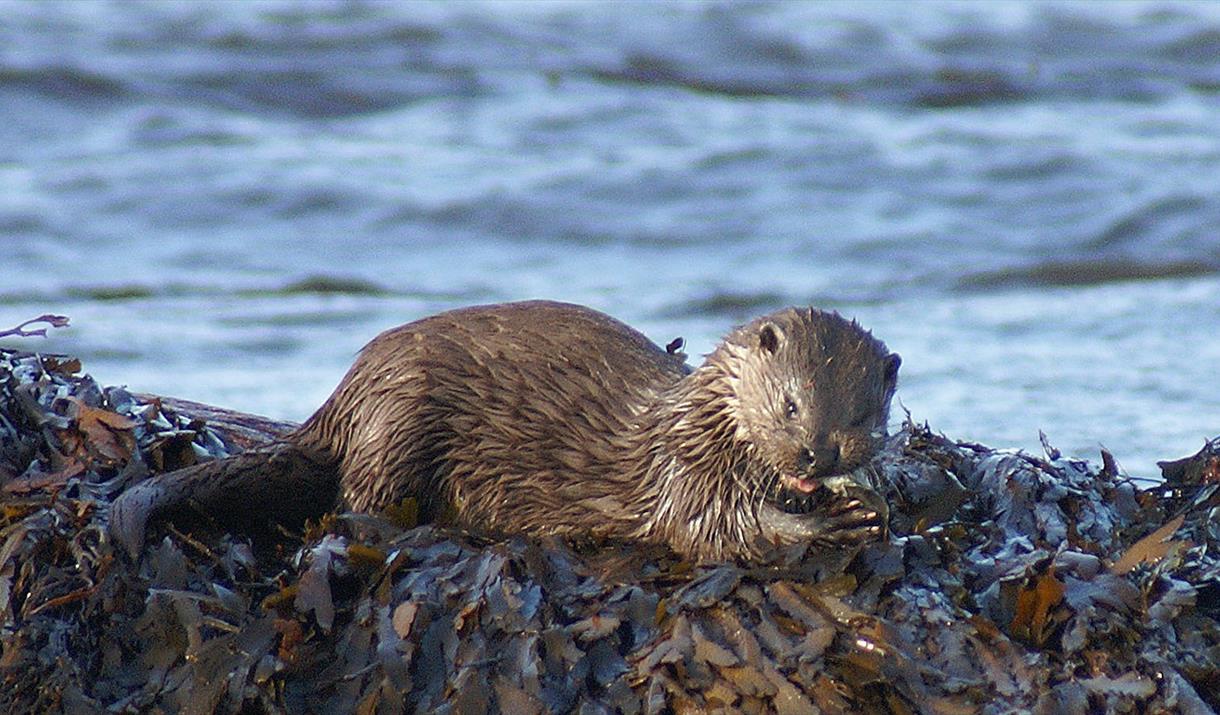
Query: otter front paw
852	519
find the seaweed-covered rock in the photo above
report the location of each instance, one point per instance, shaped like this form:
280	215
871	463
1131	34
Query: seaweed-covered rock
1010	582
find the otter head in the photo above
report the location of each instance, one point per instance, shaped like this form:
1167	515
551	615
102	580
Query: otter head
812	401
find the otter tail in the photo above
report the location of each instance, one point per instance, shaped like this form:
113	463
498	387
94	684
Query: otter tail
280	483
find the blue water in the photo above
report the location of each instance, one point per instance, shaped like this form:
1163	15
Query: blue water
228	199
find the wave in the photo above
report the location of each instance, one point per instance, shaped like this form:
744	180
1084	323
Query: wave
1086	272
322	61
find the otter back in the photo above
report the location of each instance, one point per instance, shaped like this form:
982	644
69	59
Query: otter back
507	413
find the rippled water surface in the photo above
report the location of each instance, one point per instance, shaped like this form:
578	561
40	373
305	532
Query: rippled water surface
1023	199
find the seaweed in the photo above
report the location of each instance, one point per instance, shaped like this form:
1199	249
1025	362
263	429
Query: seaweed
1009	581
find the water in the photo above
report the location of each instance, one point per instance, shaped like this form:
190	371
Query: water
229	199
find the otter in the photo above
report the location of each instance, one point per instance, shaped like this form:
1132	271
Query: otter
548	418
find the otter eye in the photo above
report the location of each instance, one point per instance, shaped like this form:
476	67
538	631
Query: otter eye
790	408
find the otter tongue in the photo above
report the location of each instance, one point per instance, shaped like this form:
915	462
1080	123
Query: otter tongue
805	485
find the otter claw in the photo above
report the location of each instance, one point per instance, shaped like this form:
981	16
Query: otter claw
845	508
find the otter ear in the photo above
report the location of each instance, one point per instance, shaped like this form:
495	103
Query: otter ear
770	337
892	362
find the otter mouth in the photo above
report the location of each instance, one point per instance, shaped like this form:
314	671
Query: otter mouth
839	507
798	495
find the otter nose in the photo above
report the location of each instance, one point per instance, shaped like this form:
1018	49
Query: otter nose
820	460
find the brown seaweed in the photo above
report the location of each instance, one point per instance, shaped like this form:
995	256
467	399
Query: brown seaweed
1010	582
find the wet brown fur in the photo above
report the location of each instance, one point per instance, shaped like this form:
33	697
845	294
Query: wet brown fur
550	418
